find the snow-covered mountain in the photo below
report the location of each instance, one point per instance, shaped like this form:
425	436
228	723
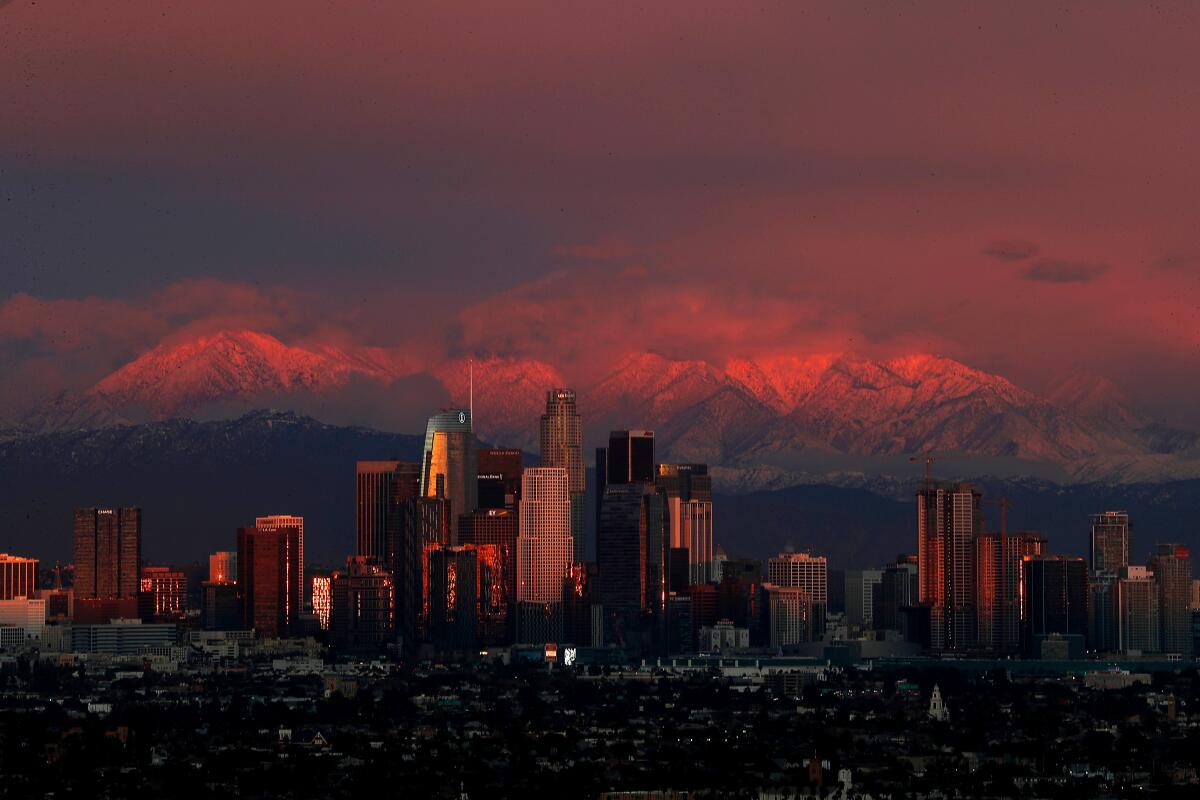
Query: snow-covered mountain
745	414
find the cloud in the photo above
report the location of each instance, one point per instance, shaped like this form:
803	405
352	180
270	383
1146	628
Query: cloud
1011	250
1178	262
1053	270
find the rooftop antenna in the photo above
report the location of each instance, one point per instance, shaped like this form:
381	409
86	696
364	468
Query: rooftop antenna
471	397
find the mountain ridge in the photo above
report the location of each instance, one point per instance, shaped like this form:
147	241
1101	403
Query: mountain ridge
745	413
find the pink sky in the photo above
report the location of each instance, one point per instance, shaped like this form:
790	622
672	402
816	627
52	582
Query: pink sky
1014	186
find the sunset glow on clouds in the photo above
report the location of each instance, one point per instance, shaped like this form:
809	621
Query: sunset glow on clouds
1014	188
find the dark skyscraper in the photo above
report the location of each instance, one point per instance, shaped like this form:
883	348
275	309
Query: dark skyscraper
499	477
621	544
361	609
630	457
561	445
108	553
1110	541
380	490
453	597
1172	568
426	522
269	579
496	527
1055	599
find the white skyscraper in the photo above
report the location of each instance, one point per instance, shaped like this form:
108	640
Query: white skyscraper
545	547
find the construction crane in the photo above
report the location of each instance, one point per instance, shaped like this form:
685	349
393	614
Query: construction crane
928	458
1004	504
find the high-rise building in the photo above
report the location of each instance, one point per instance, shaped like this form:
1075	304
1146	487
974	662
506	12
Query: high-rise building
274	522
789	615
496	528
897	590
949	517
1137	611
166	589
687	489
1172	568
1110	541
426	522
269	578
322	599
861	587
453	597
380	490
498	477
108	553
1103	612
621	547
361	609
630	457
222	608
222	567
18	577
807	572
998	592
560	443
449	462
544	545
1055	599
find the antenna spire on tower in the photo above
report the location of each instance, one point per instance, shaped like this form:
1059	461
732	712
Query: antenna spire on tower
471	397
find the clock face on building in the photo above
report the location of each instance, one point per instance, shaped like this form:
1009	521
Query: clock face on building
462	418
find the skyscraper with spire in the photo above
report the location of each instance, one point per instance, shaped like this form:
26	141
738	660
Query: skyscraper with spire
561	445
448	464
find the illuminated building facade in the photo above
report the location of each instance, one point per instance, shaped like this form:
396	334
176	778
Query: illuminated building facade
165	589
949	518
687	489
275	522
322	599
108	553
222	567
1110	541
1172	568
494	531
560	443
18	577
449	467
998	587
269	578
544	544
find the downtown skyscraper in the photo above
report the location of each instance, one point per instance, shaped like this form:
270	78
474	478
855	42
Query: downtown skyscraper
687	490
560	443
108	553
949	517
545	550
1110	541
380	490
269	578
448	465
